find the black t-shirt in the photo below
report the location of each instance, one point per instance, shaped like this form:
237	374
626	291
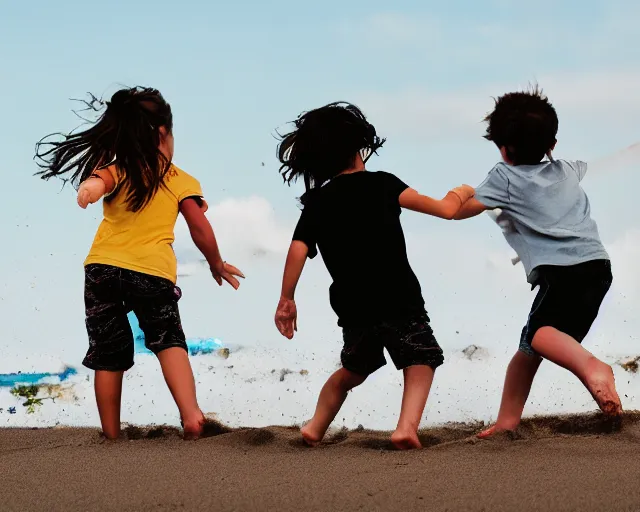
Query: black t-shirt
354	220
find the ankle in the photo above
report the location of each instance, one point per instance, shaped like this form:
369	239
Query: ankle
193	417
407	426
111	434
508	423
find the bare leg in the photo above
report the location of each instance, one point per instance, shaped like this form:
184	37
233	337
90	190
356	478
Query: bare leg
517	385
417	384
597	376
179	377
332	396
108	387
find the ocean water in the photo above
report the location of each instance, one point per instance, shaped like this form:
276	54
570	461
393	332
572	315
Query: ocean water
259	386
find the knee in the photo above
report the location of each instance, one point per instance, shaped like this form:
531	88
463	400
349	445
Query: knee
522	359
348	380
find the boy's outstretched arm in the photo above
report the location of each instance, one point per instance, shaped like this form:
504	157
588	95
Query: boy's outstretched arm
100	183
205	240
471	208
287	315
445	208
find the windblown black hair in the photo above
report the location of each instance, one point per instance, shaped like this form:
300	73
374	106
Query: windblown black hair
525	123
325	143
127	134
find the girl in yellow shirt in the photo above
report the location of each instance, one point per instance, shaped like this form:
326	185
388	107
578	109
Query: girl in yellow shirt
125	157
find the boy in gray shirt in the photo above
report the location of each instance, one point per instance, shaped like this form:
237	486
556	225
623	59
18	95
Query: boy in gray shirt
549	225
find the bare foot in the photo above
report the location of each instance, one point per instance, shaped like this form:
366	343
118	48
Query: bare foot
492	431
405	440
601	384
192	429
309	436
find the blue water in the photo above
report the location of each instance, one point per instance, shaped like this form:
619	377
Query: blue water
196	346
10	380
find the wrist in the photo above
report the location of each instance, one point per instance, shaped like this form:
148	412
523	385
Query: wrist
287	297
216	262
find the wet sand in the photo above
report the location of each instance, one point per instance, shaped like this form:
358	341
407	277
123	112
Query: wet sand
572	463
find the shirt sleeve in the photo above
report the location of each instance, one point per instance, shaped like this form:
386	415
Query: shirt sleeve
493	192
579	167
393	185
306	232
185	186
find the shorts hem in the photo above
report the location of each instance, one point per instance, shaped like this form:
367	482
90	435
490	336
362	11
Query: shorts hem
360	372
528	350
162	348
107	368
430	363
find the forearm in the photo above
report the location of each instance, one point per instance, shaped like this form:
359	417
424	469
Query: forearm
294	265
445	208
205	240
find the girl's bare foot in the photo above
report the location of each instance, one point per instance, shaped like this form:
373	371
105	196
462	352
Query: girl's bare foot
405	440
601	384
192	429
310	436
493	430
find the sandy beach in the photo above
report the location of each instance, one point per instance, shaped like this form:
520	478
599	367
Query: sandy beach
555	463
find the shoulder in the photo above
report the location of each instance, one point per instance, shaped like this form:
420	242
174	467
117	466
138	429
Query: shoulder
576	165
383	175
503	169
499	173
181	184
388	179
178	178
176	173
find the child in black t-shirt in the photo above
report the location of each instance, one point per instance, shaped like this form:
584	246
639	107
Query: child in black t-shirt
353	217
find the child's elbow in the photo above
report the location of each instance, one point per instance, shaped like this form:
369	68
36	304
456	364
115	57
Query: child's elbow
449	214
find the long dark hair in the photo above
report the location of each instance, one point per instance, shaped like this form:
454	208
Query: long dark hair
127	134
325	143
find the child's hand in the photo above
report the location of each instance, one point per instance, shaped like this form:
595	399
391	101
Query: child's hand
90	191
287	317
464	192
224	270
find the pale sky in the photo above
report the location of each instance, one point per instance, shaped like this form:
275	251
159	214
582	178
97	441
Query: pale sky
424	72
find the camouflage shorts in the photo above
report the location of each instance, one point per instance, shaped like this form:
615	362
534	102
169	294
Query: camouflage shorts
409	342
110	293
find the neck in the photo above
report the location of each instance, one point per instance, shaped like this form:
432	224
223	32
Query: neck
358	166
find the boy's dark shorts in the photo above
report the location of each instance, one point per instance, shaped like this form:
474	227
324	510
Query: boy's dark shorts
409	342
109	294
569	299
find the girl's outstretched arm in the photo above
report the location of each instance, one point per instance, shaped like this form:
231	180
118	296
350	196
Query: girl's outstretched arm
445	208
205	240
287	314
100	183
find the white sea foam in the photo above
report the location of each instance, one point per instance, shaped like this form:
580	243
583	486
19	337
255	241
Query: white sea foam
259	386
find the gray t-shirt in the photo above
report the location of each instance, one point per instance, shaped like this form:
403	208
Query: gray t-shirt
549	213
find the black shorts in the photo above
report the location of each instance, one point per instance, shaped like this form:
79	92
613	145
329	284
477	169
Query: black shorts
569	299
409	342
110	293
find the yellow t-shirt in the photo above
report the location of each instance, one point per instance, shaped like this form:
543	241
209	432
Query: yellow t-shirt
143	241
